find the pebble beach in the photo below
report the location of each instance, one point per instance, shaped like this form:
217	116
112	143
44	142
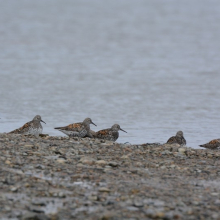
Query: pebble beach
71	178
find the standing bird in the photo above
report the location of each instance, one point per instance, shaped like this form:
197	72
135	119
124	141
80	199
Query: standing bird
80	129
178	139
33	127
213	144
110	134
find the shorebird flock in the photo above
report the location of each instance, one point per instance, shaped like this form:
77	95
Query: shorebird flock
82	130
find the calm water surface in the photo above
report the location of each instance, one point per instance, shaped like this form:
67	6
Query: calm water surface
151	66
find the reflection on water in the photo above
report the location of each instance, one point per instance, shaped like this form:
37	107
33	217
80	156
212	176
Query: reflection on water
151	66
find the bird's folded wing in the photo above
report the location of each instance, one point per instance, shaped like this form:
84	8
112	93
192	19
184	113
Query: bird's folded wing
22	129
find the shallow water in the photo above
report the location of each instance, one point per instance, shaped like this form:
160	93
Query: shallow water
151	66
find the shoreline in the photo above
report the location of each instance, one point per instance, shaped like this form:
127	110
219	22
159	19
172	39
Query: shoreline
62	178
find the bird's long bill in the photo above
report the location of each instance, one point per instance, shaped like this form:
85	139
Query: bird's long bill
93	123
43	121
123	130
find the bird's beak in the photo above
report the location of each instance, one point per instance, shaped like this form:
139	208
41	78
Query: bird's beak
43	121
123	130
93	123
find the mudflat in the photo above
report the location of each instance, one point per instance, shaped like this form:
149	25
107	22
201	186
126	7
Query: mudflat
61	178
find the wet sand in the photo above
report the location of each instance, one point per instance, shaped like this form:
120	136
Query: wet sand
62	178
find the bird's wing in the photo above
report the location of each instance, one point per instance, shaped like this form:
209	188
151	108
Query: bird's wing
215	141
102	132
171	140
71	127
22	129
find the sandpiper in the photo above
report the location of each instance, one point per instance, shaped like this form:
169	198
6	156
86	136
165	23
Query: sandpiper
33	127
178	139
110	134
213	144
80	129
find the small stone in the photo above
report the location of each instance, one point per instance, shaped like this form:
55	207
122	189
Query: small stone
2	158
113	164
139	164
86	160
182	150
210	156
39	166
158	203
101	162
149	212
93	198
29	216
34	216
28	145
214	194
7	162
104	189
180	155
138	203
38	202
80	165
131	208
217	202
125	157
61	195
7	208
14	189
159	215
61	160
166	152
43	135
195	203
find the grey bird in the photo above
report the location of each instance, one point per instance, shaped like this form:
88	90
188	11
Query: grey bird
33	127
80	129
110	134
178	139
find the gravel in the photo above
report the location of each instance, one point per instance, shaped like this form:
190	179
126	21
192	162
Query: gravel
61	178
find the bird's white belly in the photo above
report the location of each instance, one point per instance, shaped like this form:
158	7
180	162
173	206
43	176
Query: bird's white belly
35	131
